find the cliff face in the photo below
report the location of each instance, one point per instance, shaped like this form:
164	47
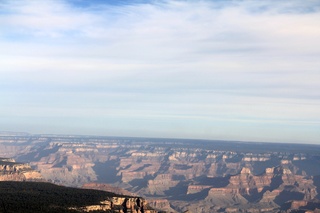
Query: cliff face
271	189
161	204
12	171
119	205
199	177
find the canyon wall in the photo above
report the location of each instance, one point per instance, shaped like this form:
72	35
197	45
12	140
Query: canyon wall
10	170
179	175
119	205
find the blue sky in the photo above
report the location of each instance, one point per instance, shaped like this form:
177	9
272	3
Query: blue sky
230	70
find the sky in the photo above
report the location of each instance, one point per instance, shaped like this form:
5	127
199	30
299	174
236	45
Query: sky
221	70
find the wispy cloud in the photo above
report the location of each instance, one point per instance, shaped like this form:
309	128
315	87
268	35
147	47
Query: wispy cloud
209	61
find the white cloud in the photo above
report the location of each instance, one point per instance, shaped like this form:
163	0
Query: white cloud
247	61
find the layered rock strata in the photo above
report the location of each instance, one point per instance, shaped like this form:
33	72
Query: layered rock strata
119	205
197	176
13	171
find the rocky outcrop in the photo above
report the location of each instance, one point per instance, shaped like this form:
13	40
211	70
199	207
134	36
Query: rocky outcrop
161	204
119	205
296	204
224	197
193	189
13	171
160	184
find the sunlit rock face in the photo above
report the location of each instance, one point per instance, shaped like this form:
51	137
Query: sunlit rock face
177	175
119	205
10	170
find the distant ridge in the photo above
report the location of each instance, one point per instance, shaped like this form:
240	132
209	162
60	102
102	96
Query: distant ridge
9	133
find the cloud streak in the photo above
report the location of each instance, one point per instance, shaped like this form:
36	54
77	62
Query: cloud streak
169	66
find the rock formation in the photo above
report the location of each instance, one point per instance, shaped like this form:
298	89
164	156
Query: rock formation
180	175
13	171
119	205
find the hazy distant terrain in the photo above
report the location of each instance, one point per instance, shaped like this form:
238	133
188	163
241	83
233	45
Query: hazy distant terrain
179	175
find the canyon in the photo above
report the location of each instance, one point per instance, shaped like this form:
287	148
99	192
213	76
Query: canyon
10	170
19	180
178	175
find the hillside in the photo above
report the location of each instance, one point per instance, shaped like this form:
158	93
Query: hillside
39	197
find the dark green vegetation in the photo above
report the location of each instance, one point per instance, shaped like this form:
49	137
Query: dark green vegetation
45	197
